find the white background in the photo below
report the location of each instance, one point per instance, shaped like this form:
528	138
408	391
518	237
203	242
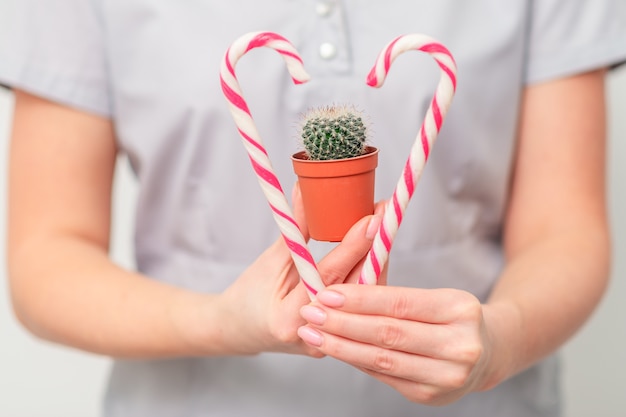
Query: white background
40	379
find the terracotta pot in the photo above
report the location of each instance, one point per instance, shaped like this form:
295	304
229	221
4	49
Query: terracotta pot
337	193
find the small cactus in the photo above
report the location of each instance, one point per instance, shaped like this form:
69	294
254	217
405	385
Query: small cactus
333	132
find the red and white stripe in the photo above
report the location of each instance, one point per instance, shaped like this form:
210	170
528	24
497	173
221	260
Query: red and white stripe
270	184
379	253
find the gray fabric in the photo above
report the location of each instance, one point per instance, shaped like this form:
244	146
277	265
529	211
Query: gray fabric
152	65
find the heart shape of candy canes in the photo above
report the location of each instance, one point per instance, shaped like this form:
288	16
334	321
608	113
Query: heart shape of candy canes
379	253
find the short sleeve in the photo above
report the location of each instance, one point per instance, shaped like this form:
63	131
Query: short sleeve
572	36
55	49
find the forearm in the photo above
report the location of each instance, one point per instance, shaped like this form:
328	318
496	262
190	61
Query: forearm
556	236
74	295
545	294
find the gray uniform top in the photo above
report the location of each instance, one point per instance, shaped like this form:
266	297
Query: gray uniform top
152	66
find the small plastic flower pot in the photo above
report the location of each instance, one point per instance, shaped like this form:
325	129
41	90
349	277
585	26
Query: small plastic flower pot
336	193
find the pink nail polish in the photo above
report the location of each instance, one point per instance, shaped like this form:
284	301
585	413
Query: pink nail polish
313	314
331	298
310	336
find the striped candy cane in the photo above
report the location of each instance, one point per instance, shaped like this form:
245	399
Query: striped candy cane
379	253
272	189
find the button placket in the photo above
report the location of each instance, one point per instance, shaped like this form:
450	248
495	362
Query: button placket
333	46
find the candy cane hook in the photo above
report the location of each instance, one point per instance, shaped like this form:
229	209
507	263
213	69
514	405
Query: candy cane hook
394	211
304	262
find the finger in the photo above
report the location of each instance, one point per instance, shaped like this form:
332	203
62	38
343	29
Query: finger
355	274
382	278
397	364
414	391
438	306
296	298
379	207
437	341
277	265
342	260
298	211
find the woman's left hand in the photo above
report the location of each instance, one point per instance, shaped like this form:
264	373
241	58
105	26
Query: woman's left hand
430	345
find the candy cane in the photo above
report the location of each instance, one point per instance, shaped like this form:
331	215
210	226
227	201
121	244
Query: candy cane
305	264
379	253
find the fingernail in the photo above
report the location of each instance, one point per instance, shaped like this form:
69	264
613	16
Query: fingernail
310	336
313	314
331	298
380	207
373	226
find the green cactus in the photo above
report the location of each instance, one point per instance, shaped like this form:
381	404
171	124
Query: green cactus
333	132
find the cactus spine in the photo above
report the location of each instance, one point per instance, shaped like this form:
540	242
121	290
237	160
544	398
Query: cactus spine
333	132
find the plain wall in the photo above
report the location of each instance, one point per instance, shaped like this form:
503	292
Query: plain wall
41	379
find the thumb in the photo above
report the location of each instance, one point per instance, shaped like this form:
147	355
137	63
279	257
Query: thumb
340	263
298	211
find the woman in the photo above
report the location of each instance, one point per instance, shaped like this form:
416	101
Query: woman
503	253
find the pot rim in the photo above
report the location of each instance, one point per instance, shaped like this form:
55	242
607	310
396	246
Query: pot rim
301	156
335	167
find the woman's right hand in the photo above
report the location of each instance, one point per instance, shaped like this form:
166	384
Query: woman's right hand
260	311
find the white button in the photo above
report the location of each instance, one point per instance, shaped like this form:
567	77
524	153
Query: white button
323	9
328	50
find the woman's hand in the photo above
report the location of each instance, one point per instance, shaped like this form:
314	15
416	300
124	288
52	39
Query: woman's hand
430	345
434	346
261	309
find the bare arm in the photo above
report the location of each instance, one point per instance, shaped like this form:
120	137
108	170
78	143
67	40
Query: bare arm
434	346
557	235
63	286
65	289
